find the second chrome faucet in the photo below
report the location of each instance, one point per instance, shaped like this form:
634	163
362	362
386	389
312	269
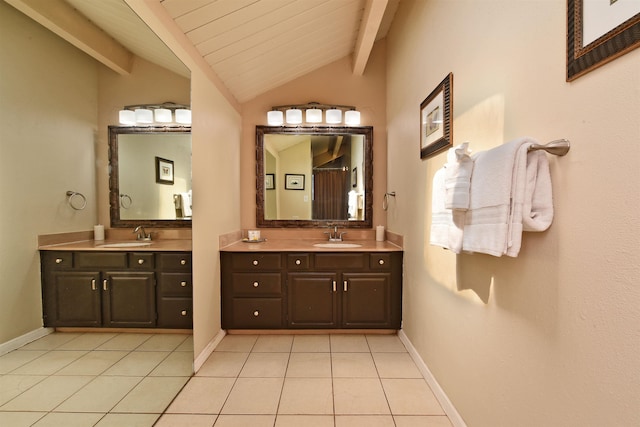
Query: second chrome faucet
335	236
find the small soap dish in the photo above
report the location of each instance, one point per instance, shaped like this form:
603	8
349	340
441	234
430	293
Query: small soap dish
246	240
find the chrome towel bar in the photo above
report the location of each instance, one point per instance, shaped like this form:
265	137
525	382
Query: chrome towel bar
559	147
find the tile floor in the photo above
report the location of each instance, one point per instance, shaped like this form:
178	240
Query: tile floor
131	380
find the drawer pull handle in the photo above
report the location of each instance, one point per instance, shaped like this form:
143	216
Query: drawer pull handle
104	285
59	260
141	261
344	285
298	262
93	284
335	287
256	313
183	284
255	262
183	312
256	284
381	262
183	262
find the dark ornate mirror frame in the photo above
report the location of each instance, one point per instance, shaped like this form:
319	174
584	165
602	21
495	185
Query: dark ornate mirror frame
114	182
367	131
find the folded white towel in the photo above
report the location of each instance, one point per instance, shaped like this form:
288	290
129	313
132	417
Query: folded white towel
509	188
353	204
186	204
446	224
457	180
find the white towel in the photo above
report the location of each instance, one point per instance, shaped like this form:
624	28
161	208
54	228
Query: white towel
186	204
446	224
353	204
457	180
509	188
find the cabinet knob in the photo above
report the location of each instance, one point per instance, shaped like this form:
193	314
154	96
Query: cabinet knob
381	261
183	312
298	262
183	262
104	285
256	284
183	284
93	284
256	313
140	261
59	260
255	262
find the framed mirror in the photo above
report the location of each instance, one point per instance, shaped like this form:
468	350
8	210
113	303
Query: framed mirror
314	176
150	176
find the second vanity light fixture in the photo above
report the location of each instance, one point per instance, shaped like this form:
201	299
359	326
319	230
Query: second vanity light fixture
292	114
148	114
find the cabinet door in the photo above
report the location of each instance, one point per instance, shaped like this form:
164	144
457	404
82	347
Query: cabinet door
312	300
73	299
129	299
366	300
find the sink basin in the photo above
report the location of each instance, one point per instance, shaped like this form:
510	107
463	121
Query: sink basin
125	245
337	245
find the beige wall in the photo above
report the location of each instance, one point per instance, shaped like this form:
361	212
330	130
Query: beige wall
549	338
334	83
48	121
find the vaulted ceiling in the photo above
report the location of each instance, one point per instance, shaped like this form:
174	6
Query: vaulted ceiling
251	45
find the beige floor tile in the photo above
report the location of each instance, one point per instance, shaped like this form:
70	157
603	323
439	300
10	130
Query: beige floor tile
265	365
47	394
353	365
422	421
304	420
49	362
12	385
237	343
51	341
273	344
187	345
124	341
364	421
176	364
359	396
254	396
396	365
223	364
349	343
137	363
309	365
17	358
311	344
20	419
306	396
385	344
88	341
100	395
162	342
128	420
245	421
186	420
151	395
411	397
68	420
202	395
92	363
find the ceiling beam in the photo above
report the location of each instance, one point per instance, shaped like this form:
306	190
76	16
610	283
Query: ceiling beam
59	17
371	19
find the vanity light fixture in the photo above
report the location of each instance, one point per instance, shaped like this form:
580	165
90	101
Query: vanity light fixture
292	114
147	114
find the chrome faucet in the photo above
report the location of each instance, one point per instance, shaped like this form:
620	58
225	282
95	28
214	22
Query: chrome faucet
335	236
141	234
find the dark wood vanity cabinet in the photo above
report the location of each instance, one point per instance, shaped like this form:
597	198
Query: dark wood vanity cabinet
357	290
109	289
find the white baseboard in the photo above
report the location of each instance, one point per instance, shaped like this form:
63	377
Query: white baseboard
204	354
442	397
18	342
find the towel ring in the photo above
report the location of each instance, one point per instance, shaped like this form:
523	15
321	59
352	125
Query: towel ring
385	200
125	201
80	203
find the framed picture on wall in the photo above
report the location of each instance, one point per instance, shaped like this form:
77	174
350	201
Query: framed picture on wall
293	182
599	32
435	119
270	181
164	171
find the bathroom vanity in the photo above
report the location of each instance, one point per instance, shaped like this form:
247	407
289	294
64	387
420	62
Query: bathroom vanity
285	284
85	284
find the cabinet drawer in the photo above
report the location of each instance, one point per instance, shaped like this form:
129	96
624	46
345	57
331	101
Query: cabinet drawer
57	260
176	284
249	284
141	261
175	313
380	261
334	261
175	261
100	259
255	261
298	261
256	313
